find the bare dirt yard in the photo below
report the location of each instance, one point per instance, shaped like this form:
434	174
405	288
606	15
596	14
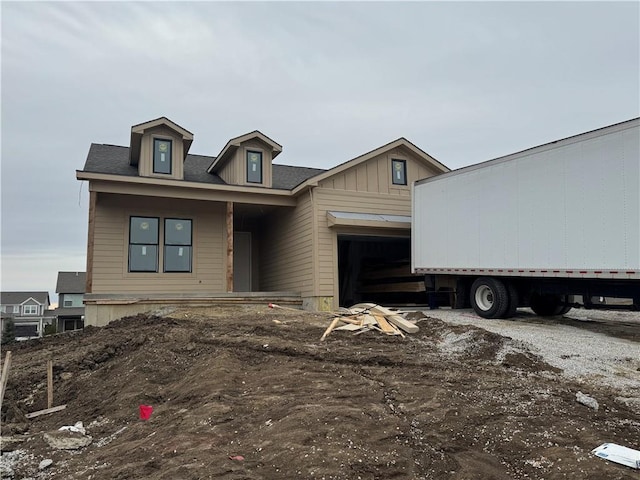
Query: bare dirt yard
252	393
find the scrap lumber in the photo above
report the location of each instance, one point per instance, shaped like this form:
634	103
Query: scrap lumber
350	327
384	325
403	323
364	317
45	411
392	317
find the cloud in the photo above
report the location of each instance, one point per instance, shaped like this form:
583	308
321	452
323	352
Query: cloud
465	81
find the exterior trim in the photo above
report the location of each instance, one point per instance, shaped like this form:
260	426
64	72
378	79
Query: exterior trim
368	220
182	189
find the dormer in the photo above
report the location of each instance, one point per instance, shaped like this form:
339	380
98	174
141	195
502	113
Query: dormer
159	147
247	160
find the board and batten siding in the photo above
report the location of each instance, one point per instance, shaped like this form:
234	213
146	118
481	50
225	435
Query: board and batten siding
365	188
341	200
287	249
111	244
374	175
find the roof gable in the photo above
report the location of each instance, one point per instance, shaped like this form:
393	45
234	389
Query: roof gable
137	131
233	144
401	142
18	298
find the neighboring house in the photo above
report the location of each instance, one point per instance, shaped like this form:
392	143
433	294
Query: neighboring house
29	311
70	288
169	227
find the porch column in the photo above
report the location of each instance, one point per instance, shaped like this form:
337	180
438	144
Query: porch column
90	239
229	247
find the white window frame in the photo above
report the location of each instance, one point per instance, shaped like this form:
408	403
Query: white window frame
30	307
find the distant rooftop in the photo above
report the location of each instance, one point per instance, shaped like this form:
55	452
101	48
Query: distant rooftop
16	298
71	282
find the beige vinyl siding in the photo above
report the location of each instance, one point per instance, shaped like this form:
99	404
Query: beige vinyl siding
146	153
341	200
111	244
287	249
375	175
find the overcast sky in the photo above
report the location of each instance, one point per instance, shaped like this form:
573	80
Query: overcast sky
466	82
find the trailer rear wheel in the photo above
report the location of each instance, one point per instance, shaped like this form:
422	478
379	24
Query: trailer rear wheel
513	301
489	297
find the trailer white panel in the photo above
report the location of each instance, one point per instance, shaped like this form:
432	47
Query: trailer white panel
569	208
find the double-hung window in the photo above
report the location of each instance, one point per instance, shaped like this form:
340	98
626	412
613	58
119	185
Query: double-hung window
30	310
177	245
143	244
161	156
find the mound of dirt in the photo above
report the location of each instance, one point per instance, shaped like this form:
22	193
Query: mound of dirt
251	393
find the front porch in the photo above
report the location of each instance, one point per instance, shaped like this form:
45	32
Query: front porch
100	309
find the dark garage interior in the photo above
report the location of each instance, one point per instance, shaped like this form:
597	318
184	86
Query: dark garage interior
378	269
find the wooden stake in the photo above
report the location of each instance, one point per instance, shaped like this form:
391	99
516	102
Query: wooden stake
5	375
273	306
330	327
49	383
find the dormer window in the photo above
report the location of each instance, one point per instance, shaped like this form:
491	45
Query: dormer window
399	172
254	167
161	156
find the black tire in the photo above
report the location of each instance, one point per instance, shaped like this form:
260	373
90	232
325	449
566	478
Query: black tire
564	306
546	305
512	309
489	297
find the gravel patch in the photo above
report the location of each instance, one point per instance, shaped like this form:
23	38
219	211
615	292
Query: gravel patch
584	356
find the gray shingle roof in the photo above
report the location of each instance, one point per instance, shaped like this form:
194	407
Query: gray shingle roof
16	298
114	160
71	282
287	177
69	311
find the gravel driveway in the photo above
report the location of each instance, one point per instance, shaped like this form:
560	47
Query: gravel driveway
580	343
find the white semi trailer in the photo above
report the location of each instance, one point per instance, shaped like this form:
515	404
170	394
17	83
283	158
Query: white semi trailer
535	228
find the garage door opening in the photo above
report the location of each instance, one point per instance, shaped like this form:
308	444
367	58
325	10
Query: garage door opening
378	270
